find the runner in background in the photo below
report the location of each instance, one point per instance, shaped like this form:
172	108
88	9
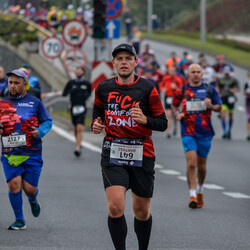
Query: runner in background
34	81
227	86
79	90
169	85
3	82
247	94
197	101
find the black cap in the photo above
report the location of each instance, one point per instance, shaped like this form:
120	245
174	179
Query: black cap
124	47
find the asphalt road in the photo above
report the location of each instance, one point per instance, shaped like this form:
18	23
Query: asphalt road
74	213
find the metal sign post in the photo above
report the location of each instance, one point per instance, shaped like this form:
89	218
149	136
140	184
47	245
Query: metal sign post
203	21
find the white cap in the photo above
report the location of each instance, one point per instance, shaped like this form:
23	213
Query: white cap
189	57
28	5
70	6
79	10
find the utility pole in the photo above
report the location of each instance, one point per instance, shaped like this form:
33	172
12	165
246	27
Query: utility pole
203	21
150	11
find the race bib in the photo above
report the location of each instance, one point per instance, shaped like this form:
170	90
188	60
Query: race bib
126	152
195	106
231	99
14	140
78	109
169	100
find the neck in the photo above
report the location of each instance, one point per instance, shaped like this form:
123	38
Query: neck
195	84
127	80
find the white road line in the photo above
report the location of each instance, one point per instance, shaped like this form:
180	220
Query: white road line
240	108
208	186
183	178
169	172
213	186
237	195
70	137
96	149
158	166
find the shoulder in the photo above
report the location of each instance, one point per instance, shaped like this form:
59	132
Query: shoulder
86	82
146	84
106	83
32	98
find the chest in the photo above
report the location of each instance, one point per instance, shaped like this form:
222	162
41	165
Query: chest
26	110
75	87
125	99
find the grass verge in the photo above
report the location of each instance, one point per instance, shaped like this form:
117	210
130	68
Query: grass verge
236	55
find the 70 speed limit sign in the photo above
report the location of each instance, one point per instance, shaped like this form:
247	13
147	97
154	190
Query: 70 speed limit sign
52	47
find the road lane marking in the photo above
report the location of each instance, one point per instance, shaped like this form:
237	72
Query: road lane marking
158	166
241	108
169	172
212	186
71	138
96	149
237	195
183	178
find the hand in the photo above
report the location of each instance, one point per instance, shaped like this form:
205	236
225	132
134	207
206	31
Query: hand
1	131
208	103
98	126
137	114
179	116
34	132
173	86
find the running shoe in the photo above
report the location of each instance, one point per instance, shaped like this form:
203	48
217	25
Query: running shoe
174	133
200	200
17	225
229	135
35	208
193	202
77	152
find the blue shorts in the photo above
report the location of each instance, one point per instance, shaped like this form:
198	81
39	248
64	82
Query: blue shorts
30	169
200	145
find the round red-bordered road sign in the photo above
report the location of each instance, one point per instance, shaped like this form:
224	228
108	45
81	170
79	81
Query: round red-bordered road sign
74	58
74	33
52	47
113	9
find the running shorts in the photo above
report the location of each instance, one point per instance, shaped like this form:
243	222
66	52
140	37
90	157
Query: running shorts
168	102
30	169
139	179
78	118
227	104
200	145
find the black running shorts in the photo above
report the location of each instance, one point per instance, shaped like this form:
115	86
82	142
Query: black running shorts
167	105
78	119
139	179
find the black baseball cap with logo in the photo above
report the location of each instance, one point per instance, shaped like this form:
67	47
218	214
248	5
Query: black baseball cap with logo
124	47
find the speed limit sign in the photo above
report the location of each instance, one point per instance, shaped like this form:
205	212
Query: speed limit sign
74	58
52	47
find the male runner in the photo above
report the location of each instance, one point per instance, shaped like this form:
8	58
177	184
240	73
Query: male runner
24	121
79	90
196	128
128	108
